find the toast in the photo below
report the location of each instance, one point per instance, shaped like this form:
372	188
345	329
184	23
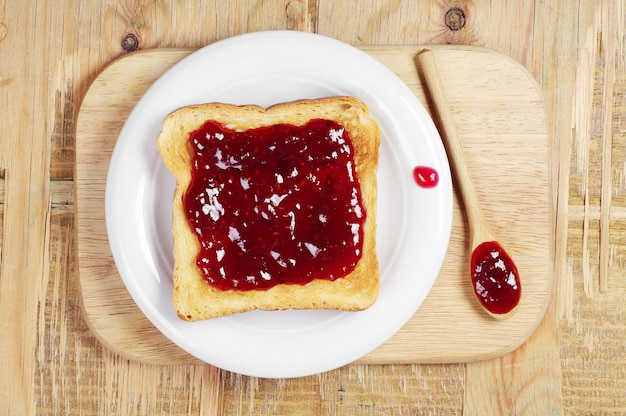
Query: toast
194	297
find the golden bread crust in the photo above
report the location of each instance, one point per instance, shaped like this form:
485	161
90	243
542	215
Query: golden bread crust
194	299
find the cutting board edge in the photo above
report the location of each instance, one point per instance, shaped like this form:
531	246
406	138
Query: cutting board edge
365	359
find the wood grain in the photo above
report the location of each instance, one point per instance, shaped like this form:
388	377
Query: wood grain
494	143
26	205
51	51
1	210
592	325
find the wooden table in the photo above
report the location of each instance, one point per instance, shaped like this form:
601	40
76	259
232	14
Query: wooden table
574	363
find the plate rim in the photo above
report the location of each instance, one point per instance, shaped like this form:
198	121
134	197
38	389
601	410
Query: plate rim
186	61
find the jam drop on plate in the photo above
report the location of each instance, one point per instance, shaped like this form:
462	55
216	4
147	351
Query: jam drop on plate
425	176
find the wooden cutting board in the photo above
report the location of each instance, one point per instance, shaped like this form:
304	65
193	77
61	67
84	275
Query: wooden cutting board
501	119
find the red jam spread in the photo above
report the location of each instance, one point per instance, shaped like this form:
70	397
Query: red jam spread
425	176
276	204
495	278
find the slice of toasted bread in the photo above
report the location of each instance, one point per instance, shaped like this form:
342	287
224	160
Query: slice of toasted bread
193	297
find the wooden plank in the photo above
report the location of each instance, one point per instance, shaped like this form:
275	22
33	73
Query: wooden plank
24	154
1	211
592	330
609	41
351	390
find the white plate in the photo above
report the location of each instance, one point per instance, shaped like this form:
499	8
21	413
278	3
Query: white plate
414	224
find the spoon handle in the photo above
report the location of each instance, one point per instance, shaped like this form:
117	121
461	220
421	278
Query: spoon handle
479	229
494	275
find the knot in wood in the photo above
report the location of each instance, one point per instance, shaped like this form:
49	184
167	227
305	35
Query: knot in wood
130	42
295	11
4	30
455	19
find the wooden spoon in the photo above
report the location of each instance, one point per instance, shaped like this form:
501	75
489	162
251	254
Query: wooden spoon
495	278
